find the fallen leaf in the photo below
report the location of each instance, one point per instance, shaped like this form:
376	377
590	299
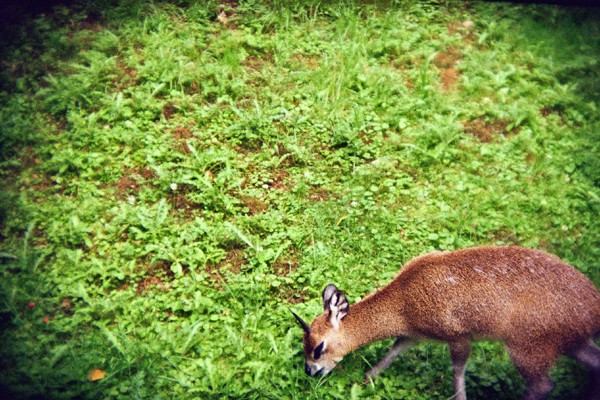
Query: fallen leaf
222	17
468	24
96	375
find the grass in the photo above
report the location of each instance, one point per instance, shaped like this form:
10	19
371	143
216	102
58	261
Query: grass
173	181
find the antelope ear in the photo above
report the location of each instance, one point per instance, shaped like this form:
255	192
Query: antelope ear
335	301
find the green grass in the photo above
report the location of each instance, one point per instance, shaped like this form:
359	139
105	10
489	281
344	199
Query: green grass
172	184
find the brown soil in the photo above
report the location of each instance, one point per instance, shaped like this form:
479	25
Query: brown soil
488	131
181	134
446	62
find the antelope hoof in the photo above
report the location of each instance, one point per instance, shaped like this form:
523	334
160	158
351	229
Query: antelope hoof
370	376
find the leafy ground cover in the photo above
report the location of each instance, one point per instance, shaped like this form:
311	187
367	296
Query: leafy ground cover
175	175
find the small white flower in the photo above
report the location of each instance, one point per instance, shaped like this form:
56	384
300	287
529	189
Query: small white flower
564	228
131	200
265	186
173	186
128	123
354	204
543	202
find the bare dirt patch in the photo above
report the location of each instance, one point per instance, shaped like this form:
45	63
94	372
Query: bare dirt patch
41	183
449	77
287	263
181	204
254	63
181	134
129	184
151	282
303	62
465	29
297	297
446	61
488	131
133	181
281	180
233	261
160	275
169	110
255	205
319	194
148	174
127	77
66	306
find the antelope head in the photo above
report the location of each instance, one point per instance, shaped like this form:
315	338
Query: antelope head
324	344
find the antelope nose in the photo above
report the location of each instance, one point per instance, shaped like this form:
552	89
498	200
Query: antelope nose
307	369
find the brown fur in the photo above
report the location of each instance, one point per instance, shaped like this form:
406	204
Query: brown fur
538	305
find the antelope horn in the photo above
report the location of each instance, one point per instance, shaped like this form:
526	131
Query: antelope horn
303	324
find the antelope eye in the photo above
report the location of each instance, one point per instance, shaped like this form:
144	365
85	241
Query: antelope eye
318	351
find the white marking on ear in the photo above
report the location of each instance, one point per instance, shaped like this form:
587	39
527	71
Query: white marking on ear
335	301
